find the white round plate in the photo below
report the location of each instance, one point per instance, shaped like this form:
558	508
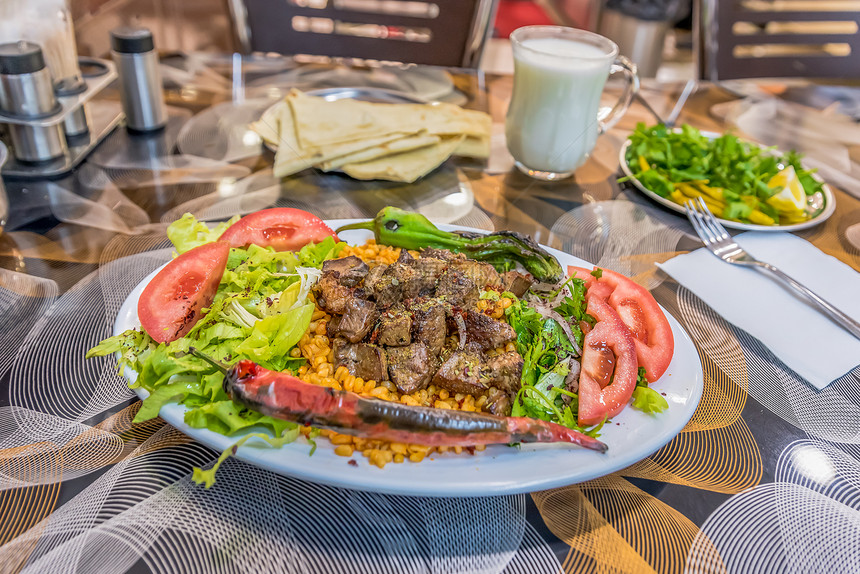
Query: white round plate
501	469
829	201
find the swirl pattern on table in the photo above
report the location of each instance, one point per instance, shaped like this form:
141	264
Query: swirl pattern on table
806	521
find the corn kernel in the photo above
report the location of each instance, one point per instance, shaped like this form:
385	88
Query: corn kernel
344	450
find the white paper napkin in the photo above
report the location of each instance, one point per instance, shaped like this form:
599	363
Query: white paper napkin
805	340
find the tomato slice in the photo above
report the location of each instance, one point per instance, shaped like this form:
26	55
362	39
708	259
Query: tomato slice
173	302
600	399
652	334
284	228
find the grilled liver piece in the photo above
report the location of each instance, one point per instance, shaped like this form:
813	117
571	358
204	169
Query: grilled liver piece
352	270
358	319
428	324
498	402
457	289
481	274
330	294
410	368
461	373
516	282
395	328
486	331
503	372
361	359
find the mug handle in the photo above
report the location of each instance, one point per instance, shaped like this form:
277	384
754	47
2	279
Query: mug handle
608	117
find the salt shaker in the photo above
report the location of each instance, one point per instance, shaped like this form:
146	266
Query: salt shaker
139	78
27	92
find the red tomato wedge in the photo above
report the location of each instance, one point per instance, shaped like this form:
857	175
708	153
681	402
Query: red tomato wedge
600	399
173	302
652	334
284	228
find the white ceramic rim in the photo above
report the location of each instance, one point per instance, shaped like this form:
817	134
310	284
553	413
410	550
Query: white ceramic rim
631	436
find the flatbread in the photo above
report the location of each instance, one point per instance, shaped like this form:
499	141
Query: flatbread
399	142
408	166
268	126
477	147
320	123
292	158
403	144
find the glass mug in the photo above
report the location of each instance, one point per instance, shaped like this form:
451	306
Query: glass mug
554	116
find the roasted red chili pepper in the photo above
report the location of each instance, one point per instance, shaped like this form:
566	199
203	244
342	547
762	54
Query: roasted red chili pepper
284	396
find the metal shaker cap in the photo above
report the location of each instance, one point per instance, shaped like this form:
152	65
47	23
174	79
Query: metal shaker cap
18	58
127	40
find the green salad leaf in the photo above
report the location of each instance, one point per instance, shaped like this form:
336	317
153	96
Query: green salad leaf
260	312
186	233
546	351
645	398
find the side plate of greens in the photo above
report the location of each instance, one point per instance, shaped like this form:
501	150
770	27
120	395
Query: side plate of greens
658	161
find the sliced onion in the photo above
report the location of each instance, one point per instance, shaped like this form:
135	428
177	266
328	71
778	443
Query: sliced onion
461	327
548	312
571	383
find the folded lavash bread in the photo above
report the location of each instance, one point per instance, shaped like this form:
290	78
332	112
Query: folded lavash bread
407	166
399	142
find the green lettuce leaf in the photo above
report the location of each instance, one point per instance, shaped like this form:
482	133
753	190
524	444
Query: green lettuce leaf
186	233
648	400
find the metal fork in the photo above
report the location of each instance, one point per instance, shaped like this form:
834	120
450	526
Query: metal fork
721	244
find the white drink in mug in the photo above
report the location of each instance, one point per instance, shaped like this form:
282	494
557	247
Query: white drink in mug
559	73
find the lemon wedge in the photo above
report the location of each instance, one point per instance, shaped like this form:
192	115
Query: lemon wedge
791	198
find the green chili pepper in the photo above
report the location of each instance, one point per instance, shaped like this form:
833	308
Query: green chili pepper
398	228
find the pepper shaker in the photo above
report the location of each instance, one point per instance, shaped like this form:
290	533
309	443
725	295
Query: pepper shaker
139	78
27	92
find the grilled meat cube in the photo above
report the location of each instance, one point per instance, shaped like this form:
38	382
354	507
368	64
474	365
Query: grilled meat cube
481	274
443	254
498	402
486	331
430	267
358	319
331	328
405	257
395	328
413	283
457	289
352	270
330	294
429	325
503	372
422	283
386	289
373	277
516	282
410	368
361	360
461	373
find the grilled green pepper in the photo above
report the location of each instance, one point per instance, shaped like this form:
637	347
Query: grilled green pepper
398	228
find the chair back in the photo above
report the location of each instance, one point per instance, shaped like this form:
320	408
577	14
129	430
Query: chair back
432	32
777	39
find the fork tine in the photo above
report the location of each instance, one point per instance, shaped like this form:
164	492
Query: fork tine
717	231
696	220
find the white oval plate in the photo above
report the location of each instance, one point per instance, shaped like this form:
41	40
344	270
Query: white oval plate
829	201
631	436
